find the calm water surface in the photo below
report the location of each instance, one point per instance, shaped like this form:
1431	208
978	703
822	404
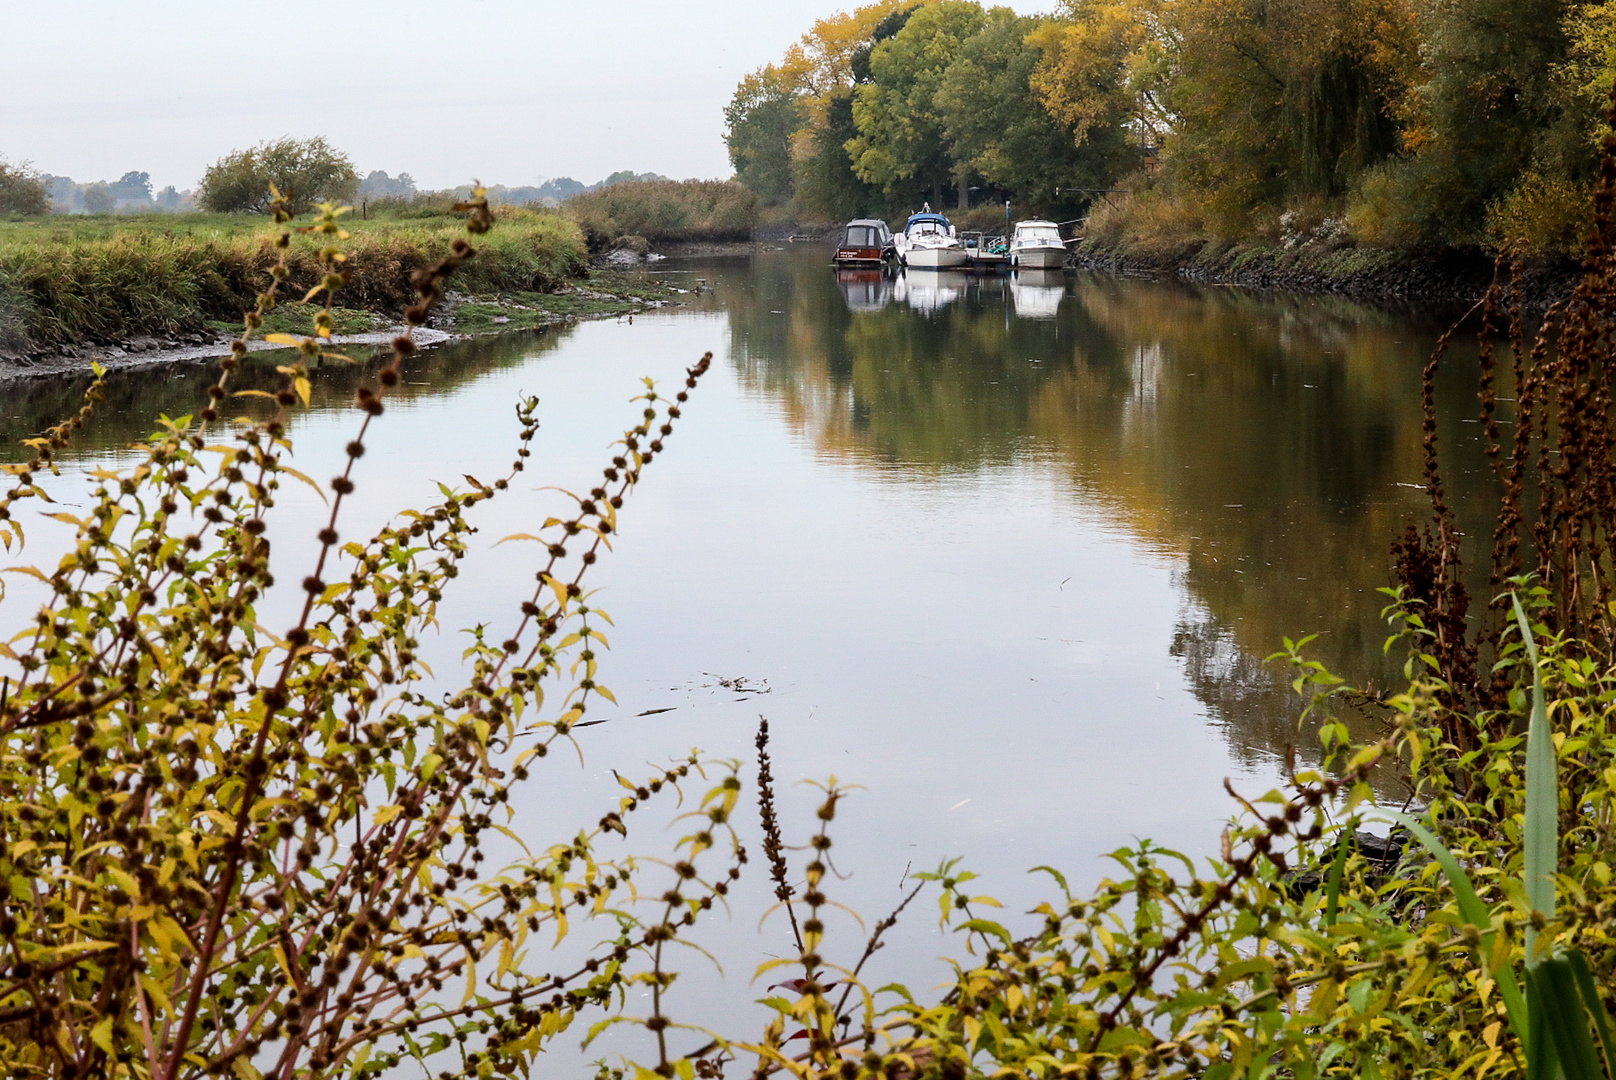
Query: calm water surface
1007	552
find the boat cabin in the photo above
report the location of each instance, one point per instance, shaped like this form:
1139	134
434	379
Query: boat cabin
928	224
864	240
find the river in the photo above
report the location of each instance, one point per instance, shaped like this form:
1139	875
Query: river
1007	552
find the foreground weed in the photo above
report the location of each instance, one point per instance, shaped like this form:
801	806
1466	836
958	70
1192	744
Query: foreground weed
231	849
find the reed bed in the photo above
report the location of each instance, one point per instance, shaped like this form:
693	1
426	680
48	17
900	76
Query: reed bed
665	210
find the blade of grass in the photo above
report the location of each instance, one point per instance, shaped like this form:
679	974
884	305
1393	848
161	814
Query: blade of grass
1554	994
1542	1063
1332	892
1590	998
1542	794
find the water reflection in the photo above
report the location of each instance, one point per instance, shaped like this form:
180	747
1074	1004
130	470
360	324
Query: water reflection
929	291
866	289
998	558
134	398
1037	293
1270	445
1268	448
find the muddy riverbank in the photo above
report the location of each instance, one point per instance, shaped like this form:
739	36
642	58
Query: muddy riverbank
459	316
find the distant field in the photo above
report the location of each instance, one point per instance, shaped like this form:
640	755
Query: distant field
71	280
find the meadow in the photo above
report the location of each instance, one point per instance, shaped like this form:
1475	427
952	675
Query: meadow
68	281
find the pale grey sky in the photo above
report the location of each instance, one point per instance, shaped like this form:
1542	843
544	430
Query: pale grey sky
500	90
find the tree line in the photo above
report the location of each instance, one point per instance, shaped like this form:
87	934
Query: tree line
305	171
1406	122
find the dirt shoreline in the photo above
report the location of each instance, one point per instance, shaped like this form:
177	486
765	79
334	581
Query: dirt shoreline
459	318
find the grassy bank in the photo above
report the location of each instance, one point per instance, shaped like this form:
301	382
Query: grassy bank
1313	246
99	280
664	211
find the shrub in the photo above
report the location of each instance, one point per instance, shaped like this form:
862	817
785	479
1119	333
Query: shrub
1542	215
304	171
665	210
22	191
233	851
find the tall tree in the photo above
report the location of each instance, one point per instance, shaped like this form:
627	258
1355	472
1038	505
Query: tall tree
995	125
1494	109
901	144
760	122
132	187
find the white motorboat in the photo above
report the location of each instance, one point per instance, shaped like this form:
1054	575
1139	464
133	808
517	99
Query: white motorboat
1038	245
928	242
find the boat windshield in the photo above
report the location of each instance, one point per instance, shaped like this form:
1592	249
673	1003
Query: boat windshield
1039	232
861	236
927	228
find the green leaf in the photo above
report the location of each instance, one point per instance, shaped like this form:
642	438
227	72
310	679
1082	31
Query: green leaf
1542	793
1332	892
1596	1007
1560	1027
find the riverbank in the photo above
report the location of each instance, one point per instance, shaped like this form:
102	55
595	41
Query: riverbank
67	284
458	317
145	291
1446	276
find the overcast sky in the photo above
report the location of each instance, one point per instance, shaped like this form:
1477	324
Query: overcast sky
501	90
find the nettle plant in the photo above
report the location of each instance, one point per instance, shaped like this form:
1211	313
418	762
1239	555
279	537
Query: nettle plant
231	849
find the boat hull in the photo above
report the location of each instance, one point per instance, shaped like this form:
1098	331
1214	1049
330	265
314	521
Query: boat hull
934	258
1041	258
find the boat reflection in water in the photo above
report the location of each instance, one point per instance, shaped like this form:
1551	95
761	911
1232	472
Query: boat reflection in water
929	291
865	290
1037	293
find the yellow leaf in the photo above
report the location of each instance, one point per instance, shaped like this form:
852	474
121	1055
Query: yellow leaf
102	1033
294	473
312	293
523	536
388	813
253	393
282	339
302	386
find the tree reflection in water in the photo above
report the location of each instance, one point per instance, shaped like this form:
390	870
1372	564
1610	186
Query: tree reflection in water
1269	444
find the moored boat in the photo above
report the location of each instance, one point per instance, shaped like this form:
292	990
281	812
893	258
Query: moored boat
1037	245
864	240
928	242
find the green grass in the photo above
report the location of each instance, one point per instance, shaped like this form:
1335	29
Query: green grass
74	280
298	318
